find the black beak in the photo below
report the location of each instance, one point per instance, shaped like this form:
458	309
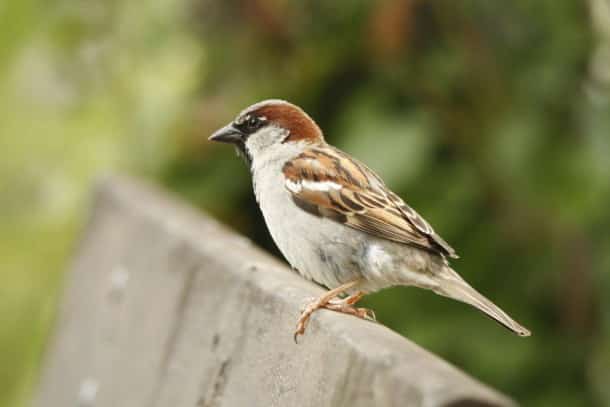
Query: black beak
228	134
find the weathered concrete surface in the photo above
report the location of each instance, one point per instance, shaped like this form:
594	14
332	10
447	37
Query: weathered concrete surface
165	307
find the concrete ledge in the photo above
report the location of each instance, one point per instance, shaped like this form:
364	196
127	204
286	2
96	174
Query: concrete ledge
165	307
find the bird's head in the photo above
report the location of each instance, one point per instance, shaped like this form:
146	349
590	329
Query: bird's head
266	125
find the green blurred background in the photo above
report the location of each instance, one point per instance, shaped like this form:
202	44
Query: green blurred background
491	118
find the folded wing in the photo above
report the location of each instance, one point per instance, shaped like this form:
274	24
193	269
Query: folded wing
326	182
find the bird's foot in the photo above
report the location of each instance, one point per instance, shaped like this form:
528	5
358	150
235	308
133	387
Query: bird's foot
306	314
331	301
346	306
363	313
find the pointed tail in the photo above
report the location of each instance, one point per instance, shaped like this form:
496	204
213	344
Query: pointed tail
453	286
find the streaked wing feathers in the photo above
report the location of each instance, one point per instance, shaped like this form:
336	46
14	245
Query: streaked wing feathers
326	182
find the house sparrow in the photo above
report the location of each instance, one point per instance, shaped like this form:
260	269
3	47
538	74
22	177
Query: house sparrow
335	220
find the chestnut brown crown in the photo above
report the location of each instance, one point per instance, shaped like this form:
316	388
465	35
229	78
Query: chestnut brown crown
285	115
273	112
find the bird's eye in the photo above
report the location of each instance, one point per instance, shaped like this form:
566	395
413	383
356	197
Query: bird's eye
252	122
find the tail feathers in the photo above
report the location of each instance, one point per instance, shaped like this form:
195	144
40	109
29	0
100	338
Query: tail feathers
456	288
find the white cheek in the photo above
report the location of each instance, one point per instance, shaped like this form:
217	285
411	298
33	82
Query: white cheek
259	142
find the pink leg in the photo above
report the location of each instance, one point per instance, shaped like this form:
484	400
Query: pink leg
331	301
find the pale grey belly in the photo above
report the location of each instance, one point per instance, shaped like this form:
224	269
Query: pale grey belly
317	247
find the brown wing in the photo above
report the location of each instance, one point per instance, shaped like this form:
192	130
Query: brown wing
326	182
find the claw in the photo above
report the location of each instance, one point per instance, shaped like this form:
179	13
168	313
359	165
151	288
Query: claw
368	314
306	314
296	335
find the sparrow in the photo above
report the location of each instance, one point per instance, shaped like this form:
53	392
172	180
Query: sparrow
334	219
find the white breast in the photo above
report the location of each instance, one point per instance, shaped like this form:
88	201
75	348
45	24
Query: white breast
298	234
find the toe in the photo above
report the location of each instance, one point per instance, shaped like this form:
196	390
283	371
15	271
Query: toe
366	313
307	304
369	314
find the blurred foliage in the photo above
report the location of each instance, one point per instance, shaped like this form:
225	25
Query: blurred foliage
491	118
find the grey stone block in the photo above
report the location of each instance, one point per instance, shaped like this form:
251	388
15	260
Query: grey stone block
165	307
